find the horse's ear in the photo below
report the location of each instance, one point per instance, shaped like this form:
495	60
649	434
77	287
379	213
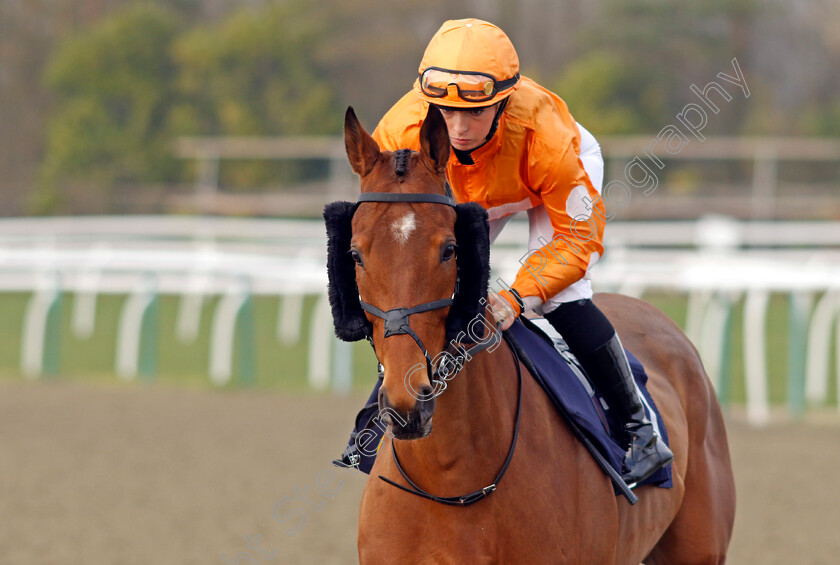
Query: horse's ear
362	150
473	256
348	316
434	139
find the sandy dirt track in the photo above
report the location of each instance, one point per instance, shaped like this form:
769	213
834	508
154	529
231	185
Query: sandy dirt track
93	474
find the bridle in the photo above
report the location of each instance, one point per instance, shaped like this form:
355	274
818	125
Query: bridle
396	323
396	319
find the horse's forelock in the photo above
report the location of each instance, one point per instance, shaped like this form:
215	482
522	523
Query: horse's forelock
397	171
401	161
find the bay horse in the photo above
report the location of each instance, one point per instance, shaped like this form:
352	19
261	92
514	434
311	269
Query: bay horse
409	272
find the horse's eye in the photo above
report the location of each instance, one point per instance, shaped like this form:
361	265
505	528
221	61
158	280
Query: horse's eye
448	252
356	257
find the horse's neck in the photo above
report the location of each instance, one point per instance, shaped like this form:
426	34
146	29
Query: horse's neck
473	422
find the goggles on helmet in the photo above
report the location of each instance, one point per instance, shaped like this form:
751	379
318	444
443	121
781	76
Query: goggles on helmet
471	86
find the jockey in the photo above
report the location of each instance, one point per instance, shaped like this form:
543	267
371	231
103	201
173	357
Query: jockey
516	147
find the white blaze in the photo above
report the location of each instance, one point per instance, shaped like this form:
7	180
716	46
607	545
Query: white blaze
403	227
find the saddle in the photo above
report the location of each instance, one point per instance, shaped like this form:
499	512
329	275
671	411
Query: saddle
547	357
545	353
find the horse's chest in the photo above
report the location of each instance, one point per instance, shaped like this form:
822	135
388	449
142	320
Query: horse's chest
497	530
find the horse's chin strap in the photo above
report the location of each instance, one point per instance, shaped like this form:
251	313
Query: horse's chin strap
475	496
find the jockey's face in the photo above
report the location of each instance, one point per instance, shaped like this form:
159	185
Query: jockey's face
468	128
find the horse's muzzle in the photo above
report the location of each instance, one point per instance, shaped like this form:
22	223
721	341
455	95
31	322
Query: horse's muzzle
414	424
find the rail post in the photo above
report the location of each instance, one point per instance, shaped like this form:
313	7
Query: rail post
799	308
137	332
234	317
41	344
819	347
755	356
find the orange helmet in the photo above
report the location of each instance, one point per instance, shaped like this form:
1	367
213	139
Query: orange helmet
468	63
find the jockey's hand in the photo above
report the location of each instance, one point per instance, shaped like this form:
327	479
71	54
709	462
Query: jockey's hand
503	311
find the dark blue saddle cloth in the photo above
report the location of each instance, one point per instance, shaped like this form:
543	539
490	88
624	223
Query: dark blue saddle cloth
560	375
554	367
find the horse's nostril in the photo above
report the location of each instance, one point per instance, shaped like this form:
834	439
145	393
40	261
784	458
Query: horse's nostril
383	399
426	391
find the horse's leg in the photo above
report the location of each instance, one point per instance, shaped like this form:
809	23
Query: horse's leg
702	526
701	531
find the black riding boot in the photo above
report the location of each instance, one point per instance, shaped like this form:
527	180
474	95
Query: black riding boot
609	369
350	457
592	338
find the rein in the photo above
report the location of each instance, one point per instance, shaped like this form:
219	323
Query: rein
475	496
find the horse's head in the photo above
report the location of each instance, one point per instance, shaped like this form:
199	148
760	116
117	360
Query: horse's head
409	272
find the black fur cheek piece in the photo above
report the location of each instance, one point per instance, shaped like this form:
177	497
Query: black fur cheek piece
349	319
472	234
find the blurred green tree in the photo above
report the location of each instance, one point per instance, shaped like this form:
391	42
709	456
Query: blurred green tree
254	74
126	87
112	89
257	73
609	96
822	119
637	61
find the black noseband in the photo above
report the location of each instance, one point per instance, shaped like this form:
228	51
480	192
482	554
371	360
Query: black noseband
396	323
396	319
